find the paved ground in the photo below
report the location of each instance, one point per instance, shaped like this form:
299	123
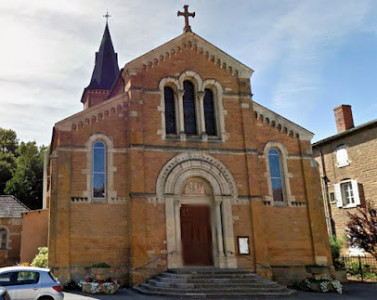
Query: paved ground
351	291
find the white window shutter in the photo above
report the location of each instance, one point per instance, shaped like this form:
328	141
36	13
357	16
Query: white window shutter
338	195
355	189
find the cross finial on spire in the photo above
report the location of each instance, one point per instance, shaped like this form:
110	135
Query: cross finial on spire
107	16
186	14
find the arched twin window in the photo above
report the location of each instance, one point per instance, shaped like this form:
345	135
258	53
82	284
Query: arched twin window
99	170
191	113
3	238
277	182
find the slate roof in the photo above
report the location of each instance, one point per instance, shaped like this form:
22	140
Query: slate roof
106	67
11	207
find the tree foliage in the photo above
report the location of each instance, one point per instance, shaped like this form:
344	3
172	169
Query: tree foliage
21	169
8	147
362	229
27	181
41	259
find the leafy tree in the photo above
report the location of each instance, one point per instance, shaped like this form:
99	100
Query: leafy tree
8	147
27	181
362	229
41	259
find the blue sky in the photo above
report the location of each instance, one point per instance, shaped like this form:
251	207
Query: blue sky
308	56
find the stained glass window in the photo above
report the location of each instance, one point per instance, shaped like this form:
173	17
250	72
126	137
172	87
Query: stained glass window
99	176
276	175
170	124
209	112
189	108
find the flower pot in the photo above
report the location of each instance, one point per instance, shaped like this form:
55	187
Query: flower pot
100	272
315	270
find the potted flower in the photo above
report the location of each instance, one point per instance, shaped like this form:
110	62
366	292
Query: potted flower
93	286
100	270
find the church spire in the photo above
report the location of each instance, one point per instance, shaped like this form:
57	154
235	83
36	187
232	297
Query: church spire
105	71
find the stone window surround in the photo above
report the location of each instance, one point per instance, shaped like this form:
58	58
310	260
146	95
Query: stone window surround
6	238
176	83
288	197
340	193
109	168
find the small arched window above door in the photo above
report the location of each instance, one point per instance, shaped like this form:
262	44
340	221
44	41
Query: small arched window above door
189	109
209	112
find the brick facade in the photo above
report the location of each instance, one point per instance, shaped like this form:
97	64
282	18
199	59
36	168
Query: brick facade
135	228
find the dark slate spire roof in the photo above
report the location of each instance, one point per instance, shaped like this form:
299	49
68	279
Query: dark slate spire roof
11	207
106	67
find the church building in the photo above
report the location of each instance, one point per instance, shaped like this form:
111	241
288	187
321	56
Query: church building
171	165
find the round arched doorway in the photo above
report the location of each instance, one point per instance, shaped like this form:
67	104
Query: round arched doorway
197	189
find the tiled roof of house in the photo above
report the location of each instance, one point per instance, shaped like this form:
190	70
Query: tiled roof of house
11	207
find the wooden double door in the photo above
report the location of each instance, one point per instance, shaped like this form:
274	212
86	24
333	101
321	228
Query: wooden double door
196	235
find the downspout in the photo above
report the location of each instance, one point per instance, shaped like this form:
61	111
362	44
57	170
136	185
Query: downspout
326	192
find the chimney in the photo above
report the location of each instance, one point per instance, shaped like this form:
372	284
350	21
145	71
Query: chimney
343	117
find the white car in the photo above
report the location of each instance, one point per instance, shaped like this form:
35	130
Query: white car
30	283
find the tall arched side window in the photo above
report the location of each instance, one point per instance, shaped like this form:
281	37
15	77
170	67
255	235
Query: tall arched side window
189	108
170	122
3	238
276	175
209	112
98	170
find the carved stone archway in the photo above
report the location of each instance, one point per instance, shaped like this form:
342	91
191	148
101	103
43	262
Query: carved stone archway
197	177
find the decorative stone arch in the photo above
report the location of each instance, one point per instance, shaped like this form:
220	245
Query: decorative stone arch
286	175
174	84
169	189
190	75
110	168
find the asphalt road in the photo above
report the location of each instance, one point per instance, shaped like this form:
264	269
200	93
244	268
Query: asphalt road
351	291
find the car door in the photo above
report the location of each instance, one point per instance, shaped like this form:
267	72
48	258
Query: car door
24	285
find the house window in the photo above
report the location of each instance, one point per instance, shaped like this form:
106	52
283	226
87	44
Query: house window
347	193
276	175
98	171
189	108
170	123
3	238
209	112
342	156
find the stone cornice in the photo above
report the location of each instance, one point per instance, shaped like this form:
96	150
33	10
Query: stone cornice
94	114
280	123
193	42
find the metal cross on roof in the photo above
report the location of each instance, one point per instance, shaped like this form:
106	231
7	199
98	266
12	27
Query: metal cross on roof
107	16
186	14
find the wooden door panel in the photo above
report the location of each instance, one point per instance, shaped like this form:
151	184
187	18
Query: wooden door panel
196	235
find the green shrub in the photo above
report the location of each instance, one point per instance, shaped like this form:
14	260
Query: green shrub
101	265
40	260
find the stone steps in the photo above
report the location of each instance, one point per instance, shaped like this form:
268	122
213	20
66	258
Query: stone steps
212	283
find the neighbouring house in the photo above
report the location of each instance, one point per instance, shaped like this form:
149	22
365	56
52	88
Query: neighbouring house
348	168
171	164
11	210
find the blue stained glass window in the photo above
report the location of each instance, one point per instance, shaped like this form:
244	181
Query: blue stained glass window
209	112
275	175
189	108
99	175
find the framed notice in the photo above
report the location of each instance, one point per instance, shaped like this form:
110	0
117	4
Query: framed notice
243	245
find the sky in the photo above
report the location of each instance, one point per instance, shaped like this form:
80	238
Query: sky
308	56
